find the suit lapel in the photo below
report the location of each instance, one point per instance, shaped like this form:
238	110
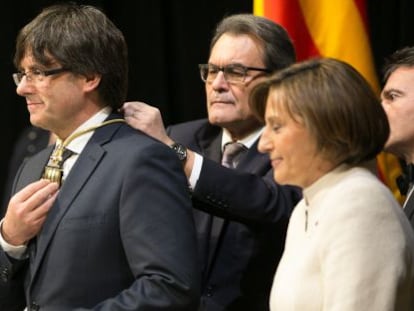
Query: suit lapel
25	176
87	162
211	147
251	161
36	165
208	143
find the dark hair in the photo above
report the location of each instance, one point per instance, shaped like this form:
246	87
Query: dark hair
279	51
400	58
83	39
334	102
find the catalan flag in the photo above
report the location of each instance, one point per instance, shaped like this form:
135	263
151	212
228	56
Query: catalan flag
338	29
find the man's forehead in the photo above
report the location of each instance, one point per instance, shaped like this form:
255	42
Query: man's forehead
400	77
403	72
240	48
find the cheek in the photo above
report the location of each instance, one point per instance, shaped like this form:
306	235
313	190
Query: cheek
208	89
286	171
296	154
399	119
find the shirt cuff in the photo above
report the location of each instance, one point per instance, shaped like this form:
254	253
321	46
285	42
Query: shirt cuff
195	172
16	252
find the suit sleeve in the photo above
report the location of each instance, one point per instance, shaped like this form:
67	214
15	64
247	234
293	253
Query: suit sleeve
243	196
11	283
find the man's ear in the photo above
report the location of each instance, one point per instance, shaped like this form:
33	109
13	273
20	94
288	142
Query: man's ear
92	82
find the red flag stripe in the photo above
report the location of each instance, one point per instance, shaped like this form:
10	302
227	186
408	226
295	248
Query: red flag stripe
289	14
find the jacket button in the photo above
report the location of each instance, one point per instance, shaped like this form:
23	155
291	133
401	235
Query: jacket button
34	306
209	291
4	274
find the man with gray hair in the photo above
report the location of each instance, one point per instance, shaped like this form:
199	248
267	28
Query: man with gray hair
240	212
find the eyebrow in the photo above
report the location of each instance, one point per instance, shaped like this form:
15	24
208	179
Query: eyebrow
387	92
273	119
230	64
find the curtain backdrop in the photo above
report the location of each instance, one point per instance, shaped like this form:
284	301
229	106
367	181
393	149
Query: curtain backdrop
167	39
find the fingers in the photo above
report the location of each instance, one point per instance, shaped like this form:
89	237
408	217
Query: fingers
27	211
132	109
40	189
41	201
135	105
38	215
147	119
33	201
140	110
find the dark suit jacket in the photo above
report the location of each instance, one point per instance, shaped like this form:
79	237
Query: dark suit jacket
404	183
409	209
120	235
240	249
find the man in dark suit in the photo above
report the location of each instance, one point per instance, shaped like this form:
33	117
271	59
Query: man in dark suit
119	234
240	246
398	101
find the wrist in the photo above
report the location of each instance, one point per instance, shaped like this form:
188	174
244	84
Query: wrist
7	237
180	150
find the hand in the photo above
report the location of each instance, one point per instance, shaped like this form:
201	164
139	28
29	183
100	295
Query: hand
27	211
147	119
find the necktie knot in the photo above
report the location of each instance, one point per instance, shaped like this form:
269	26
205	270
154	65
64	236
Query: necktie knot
231	154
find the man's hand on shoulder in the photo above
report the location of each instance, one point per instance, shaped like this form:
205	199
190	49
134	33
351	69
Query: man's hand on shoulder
146	118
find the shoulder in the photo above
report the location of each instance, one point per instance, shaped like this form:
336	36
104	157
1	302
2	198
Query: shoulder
194	124
356	196
359	183
196	130
129	139
361	200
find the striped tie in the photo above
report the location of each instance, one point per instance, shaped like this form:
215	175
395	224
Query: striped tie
231	154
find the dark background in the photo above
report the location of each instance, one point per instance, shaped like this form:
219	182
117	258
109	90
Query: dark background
167	39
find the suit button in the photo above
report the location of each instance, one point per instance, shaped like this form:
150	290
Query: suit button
209	291
34	306
4	274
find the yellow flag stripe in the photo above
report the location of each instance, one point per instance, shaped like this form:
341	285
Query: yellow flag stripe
338	31
258	7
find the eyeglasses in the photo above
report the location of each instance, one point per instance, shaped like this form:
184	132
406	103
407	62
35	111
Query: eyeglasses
233	73
36	75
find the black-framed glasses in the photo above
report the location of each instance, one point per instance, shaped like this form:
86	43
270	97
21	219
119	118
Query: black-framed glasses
36	75
233	73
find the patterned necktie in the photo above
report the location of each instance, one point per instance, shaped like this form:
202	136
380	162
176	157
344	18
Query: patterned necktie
54	168
231	154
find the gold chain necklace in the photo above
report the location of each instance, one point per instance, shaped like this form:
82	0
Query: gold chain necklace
53	170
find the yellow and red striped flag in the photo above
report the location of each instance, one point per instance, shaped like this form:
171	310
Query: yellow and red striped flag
338	29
